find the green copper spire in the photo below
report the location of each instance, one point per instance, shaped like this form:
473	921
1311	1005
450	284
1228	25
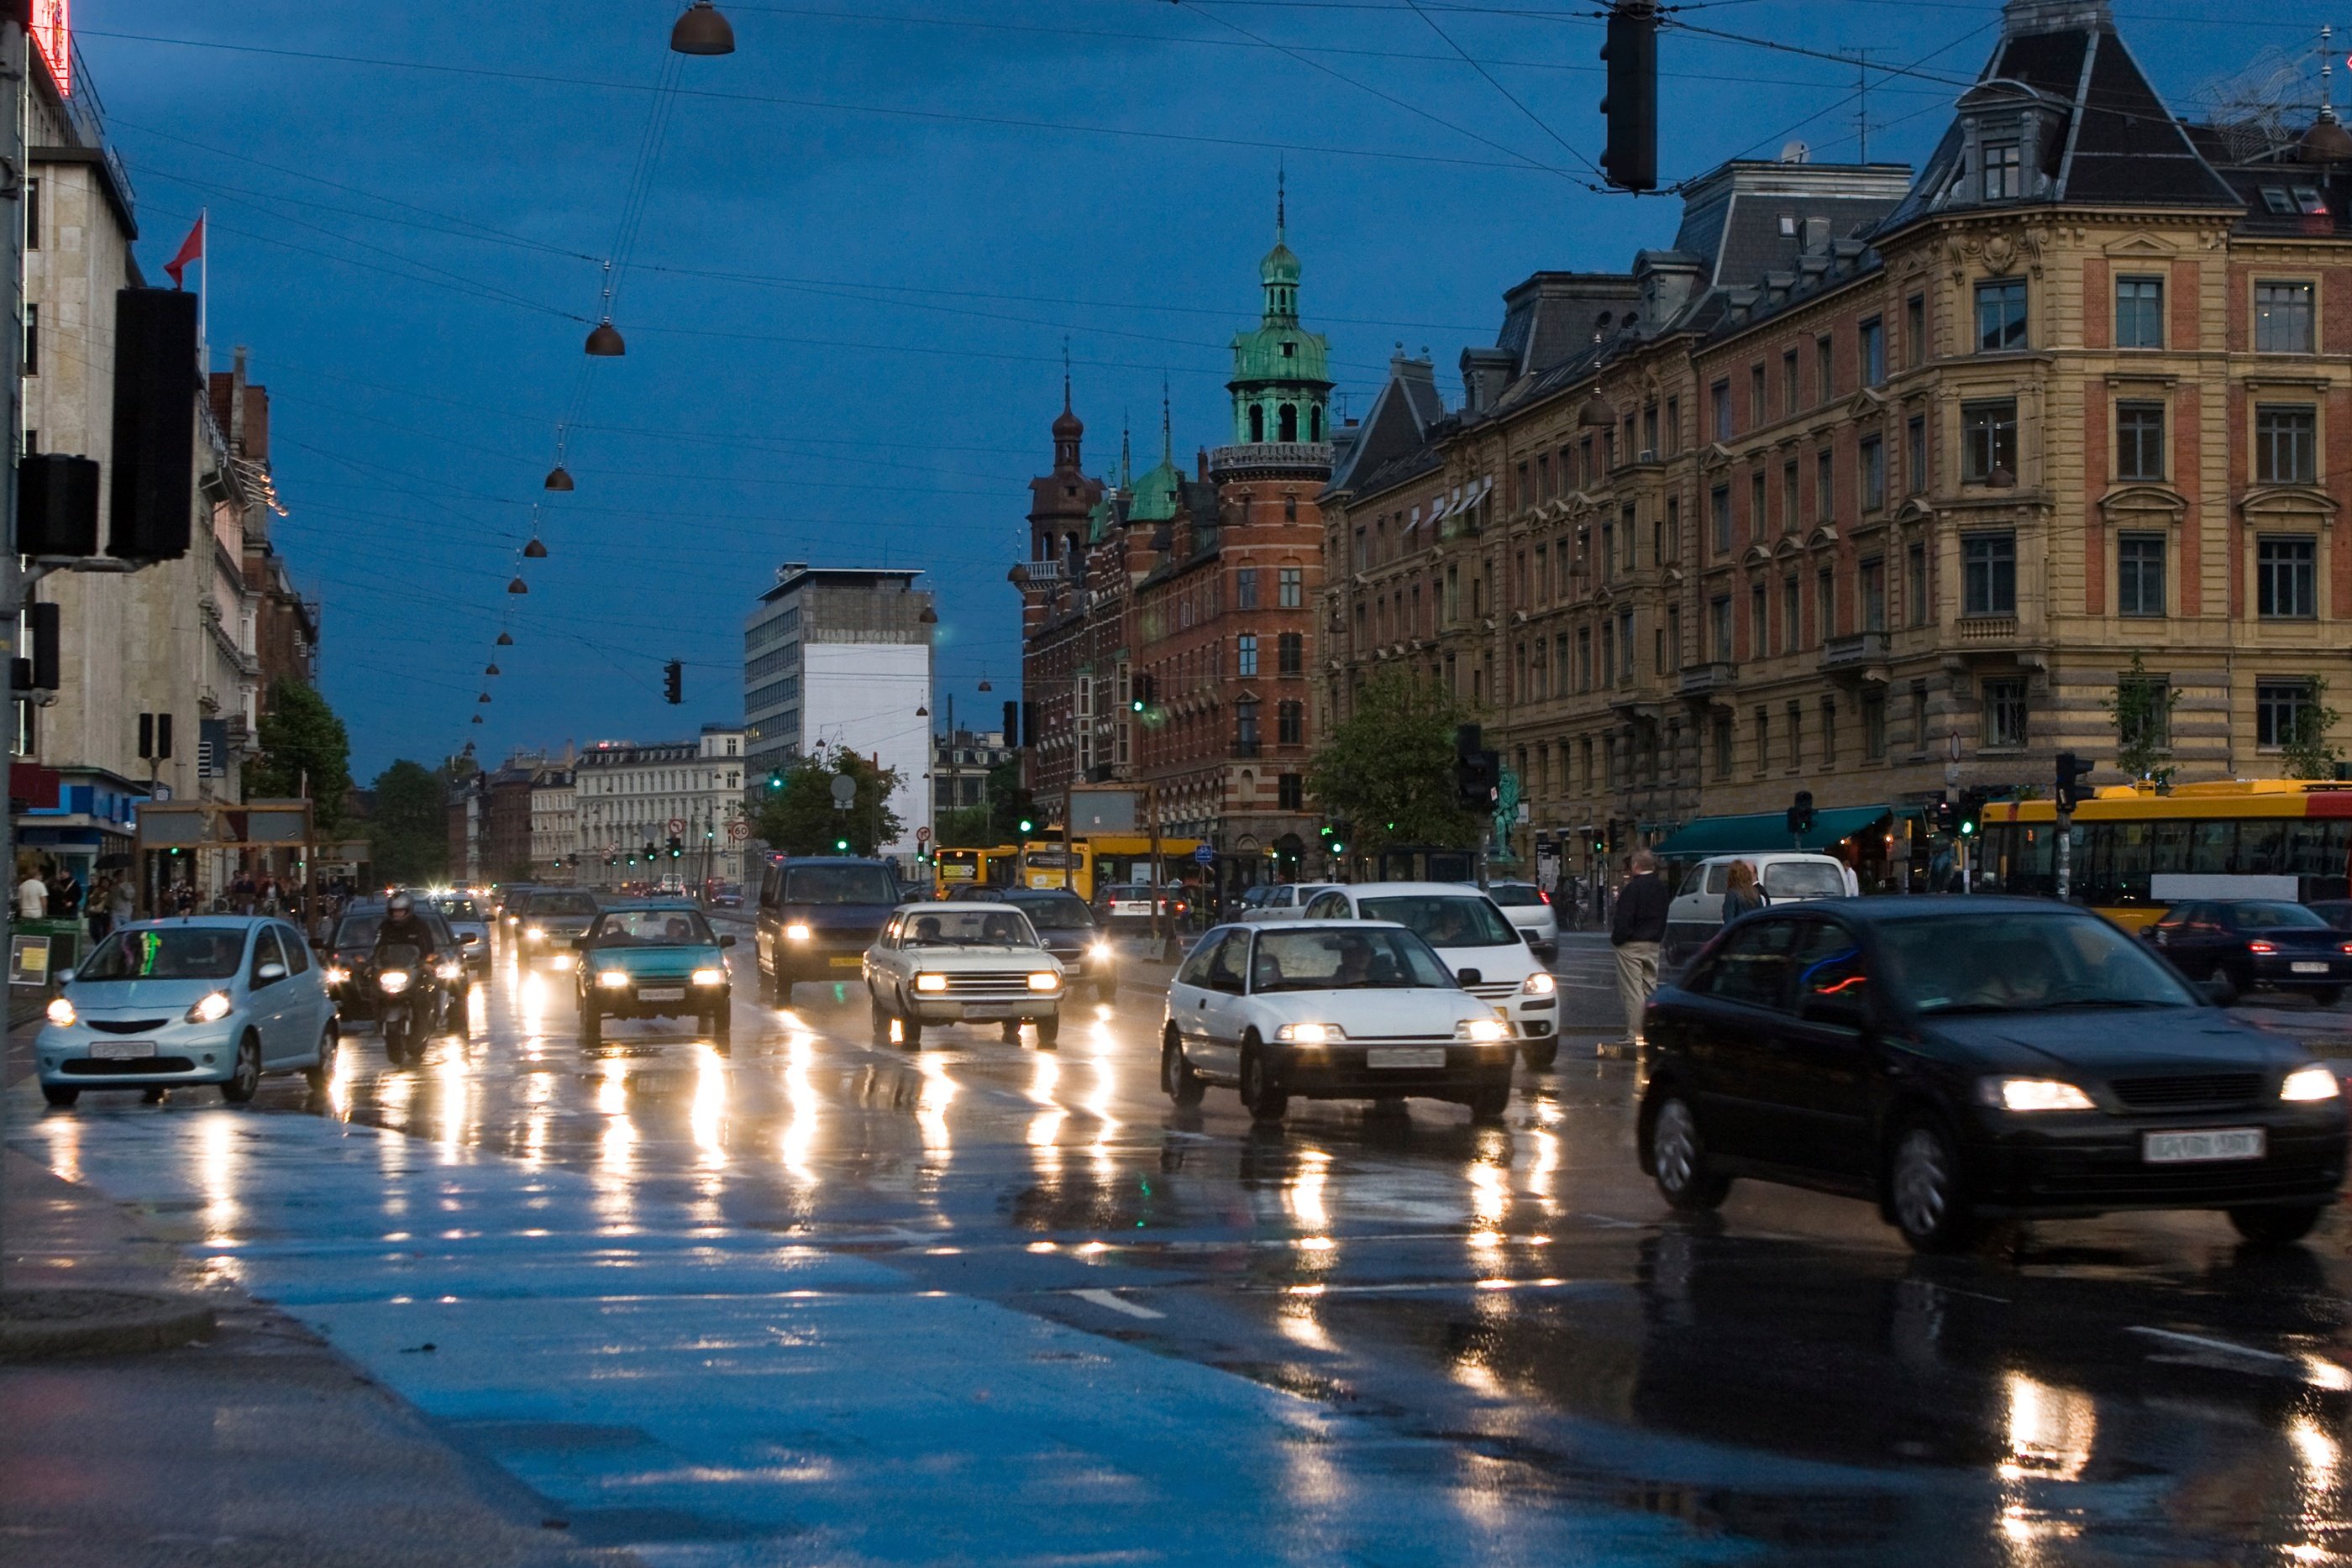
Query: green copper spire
1281	383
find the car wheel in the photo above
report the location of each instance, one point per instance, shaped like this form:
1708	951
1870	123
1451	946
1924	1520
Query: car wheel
323	1072
1678	1158
1540	1054
1177	1079
1490	1103
1049	1032
1261	1096
2328	996
911	1028
2225	989
2277	1226
244	1074
1011	1030
1924	1190
61	1096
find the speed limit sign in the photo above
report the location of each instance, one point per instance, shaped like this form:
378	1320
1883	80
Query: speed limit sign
738	831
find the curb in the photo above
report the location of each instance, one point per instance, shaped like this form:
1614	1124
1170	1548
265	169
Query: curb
38	1322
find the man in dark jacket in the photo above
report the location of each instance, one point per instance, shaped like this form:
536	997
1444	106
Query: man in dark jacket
1635	931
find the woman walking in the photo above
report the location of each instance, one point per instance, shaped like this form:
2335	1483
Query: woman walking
1740	893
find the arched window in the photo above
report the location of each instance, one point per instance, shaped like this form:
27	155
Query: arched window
1288	423
1315	424
1257	422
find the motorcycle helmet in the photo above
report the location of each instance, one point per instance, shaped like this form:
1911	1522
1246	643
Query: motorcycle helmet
398	904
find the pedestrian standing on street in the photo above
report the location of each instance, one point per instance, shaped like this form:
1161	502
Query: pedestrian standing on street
99	922
32	896
122	902
1740	893
1635	930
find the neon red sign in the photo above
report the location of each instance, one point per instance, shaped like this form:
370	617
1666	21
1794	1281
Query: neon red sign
52	32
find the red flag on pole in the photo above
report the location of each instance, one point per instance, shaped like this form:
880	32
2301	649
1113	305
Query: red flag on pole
191	249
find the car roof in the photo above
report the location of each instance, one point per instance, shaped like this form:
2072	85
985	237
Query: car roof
1457	889
1038	895
790	862
203	922
1284	927
684	905
1927	906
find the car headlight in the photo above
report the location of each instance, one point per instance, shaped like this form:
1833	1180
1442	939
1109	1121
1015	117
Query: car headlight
1310	1033
452	970
394	981
710	976
613	979
1101	951
533	934
562	960
2314	1082
1538	984
62	1012
211	1007
2033	1094
337	975
796	932
1483	1032
1046	980
931	982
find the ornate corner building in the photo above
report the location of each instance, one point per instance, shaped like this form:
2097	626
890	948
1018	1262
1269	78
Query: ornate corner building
1167	617
1875	483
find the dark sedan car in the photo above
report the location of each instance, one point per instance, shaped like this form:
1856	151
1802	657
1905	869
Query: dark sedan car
1067	927
2250	944
1961	1059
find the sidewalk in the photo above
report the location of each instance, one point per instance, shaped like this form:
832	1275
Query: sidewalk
260	1448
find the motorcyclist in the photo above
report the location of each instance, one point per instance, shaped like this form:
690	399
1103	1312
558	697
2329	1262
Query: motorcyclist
403	928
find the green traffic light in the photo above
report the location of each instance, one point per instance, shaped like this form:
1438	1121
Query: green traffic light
1967	828
841	845
1339	849
1027	824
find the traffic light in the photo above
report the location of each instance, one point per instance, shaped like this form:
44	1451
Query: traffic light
840	846
154	424
676	847
674	683
2071	771
1026	825
649	854
1801	814
1477	771
775	780
1947	817
1630	160
1146	690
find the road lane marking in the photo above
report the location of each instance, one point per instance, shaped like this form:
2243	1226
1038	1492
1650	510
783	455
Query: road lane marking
2319	1371
1117	1303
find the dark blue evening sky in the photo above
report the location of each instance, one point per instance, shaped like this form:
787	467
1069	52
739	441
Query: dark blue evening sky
913	205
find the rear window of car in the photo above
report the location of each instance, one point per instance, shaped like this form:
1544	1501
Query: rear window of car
458	908
838	884
1516	897
2268	917
1066	913
1445	920
1802	879
561	904
174	953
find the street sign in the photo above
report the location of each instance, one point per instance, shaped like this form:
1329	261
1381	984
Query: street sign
738	831
923	835
844	791
1204	855
677	824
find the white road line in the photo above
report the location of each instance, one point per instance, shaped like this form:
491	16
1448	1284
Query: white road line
1117	1303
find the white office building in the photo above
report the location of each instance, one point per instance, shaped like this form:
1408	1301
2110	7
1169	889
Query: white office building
630	798
840	659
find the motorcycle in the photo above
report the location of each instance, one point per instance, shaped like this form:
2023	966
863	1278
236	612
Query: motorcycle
410	1000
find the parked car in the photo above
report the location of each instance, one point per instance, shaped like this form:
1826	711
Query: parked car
1279	901
548	920
817	917
2250	945
937	964
1784	876
1481	948
469	923
1529	907
648	960
1065	928
1955	1059
222	999
1330	1010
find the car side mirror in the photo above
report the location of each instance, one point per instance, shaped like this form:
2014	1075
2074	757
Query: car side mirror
468	936
1469	976
1836	1008
269	974
65	977
727	941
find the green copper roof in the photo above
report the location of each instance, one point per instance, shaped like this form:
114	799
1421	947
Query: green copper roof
1155	495
1280	266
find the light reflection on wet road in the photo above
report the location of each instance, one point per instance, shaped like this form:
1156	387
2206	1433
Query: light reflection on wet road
1782	1382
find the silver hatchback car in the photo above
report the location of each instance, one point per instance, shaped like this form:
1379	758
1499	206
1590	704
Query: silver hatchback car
211	999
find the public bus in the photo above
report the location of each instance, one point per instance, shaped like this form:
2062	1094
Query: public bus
1097	859
961	867
2132	852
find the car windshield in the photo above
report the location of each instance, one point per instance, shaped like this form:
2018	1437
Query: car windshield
458	909
563	905
1802	879
1445	920
2021	962
652	928
1067	913
357	930
174	953
838	884
2270	917
985	927
1515	895
1345	961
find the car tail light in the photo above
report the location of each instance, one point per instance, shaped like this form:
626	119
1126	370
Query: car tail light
1542	895
2344	947
2261	947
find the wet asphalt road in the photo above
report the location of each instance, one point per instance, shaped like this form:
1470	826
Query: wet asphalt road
1782	1382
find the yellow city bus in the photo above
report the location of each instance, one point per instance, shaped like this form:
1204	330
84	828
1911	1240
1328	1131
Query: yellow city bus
961	867
2132	853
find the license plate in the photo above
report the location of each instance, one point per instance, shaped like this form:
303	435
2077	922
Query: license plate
121	1049
987	1011
663	994
846	960
1405	1056
2309	968
2188	1148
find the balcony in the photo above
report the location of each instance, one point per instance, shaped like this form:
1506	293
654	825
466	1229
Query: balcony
1988	631
1702	681
1305	459
1857	651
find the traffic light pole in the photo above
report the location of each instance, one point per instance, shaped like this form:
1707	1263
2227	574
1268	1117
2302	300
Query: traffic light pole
2061	850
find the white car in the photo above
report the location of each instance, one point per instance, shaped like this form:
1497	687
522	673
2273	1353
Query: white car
1335	1010
1484	950
1287	902
1786	876
961	962
1529	907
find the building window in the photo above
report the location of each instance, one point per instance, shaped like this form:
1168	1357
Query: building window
1874	352
1289	792
1825	375
1292	590
1245	587
1720	401
2139	313
1915	330
2281	709
1673	425
1873	594
1829	732
2003	173
1915	568
1584	658
2282	318
2146	720
1789	401
1824	489
1789	496
1791	619
1989	574
1672	551
1718	502
1874	726
1246	728
1290	650
2284	578
1759	622
1290	723
1873	474
1756	394
1246	653
2139	440
1915	455
1650	433
1719	632
2139	575
2001	315
1721	736
2004	713
1625	647
2286	444
32	214
32	366
1989	440
1763	739
1756	505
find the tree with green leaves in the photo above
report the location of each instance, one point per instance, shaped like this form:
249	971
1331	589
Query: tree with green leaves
304	750
799	818
2309	753
997	819
408	837
1388	768
2140	707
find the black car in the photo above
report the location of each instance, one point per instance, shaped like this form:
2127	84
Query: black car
2250	945
1961	1059
351	955
818	916
1067	927
2337	912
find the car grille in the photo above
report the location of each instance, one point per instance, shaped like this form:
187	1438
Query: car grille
1495	993
84	1067
2195	1089
126	1026
967	986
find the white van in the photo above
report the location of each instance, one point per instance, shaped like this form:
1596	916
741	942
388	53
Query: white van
1786	876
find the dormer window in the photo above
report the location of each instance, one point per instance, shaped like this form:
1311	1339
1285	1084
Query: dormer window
1290	351
2002	173
2275	200
1788	225
2308	203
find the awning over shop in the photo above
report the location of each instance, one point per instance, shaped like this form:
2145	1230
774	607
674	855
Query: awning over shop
1765	831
